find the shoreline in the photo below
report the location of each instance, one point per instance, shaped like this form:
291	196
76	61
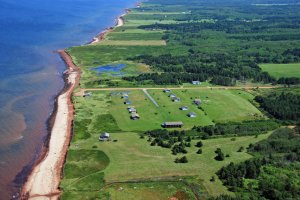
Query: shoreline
46	173
44	179
101	36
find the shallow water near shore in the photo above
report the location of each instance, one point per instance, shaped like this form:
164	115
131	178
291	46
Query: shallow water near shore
31	73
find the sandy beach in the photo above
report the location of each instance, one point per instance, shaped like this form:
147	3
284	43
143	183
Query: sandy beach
44	180
101	36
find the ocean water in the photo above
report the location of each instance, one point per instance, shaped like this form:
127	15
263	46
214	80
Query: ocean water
31	72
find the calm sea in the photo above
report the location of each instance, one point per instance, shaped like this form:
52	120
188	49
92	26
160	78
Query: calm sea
31	73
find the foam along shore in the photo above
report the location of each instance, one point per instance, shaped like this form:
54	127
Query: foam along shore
43	181
101	36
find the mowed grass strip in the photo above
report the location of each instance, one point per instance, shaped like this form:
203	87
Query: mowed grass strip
132	43
133	158
282	70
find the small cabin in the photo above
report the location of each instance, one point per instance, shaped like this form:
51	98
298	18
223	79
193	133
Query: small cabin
166	90
127	102
172	124
192	115
172	95
184	108
104	136
197	102
176	99
135	116
132	110
89	94
196	82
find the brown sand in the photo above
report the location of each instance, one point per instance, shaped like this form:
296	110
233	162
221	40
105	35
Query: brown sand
43	182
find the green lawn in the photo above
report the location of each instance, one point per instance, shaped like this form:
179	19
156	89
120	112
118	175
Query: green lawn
132	43
149	190
218	106
134	36
223	105
132	158
282	70
90	164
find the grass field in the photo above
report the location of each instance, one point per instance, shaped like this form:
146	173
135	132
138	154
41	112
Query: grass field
282	70
132	158
91	165
132	42
218	106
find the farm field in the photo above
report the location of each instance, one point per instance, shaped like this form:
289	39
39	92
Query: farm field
282	70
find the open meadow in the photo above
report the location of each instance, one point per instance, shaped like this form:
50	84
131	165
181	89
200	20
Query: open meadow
130	163
282	70
217	106
132	160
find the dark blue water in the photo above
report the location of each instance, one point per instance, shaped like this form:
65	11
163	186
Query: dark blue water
31	73
114	70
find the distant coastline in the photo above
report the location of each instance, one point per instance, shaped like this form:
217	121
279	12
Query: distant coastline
45	176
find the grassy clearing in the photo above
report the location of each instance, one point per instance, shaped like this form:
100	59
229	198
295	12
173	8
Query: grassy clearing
223	105
132	43
149	191
136	23
135	36
282	70
218	106
152	116
91	165
133	158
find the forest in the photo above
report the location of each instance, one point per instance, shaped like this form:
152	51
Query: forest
281	105
221	69
226	47
273	173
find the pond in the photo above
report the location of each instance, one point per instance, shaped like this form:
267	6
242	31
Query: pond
114	70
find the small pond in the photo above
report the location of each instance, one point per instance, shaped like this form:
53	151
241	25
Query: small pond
114	70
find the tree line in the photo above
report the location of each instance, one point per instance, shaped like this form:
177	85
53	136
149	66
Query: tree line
274	169
283	106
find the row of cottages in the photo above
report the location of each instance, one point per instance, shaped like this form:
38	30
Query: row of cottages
133	113
131	109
